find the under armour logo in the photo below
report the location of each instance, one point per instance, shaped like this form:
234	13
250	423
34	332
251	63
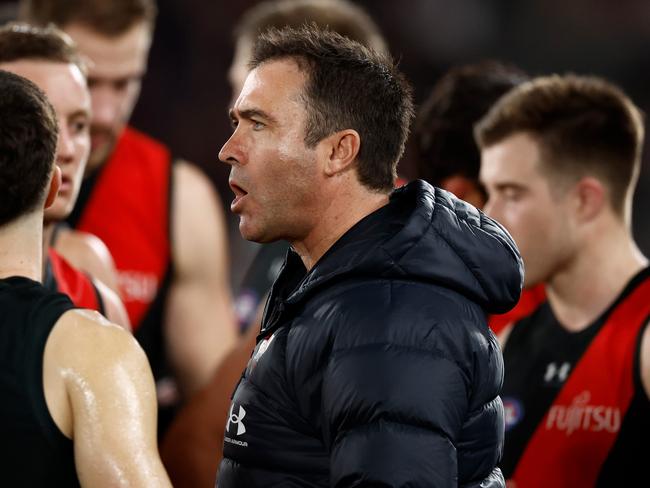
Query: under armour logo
261	349
561	373
237	419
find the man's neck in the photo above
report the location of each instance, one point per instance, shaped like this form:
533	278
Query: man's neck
48	231
342	212
21	247
588	285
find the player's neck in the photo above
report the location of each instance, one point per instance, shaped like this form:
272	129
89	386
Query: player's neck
48	232
342	211
21	247
594	278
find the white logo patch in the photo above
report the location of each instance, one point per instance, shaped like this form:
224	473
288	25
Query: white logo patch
264	345
559	373
237	419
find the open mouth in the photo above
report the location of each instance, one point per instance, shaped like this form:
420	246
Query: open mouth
66	183
240	194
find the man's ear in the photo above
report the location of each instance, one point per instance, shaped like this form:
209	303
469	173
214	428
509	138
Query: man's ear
590	198
341	150
55	184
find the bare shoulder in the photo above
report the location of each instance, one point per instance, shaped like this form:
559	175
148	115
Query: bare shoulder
82	351
101	393
84	338
87	246
188	176
113	307
191	187
88	253
198	223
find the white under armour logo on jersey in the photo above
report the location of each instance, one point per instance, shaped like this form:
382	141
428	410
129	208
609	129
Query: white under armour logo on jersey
558	373
237	419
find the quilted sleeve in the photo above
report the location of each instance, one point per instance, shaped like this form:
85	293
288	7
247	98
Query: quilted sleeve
392	416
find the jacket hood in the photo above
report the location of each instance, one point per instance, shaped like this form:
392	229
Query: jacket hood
427	234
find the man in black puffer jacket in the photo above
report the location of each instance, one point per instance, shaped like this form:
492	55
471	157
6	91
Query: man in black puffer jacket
374	365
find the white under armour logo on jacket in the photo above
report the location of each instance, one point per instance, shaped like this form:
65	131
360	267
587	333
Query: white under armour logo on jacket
237	419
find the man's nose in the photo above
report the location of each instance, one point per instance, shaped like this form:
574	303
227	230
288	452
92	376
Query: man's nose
65	145
230	152
493	209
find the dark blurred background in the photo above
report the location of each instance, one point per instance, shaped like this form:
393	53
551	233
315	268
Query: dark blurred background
185	93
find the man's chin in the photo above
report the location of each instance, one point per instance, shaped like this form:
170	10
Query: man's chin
99	155
254	235
52	216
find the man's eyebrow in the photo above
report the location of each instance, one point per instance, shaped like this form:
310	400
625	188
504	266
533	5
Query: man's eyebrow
79	113
250	113
509	185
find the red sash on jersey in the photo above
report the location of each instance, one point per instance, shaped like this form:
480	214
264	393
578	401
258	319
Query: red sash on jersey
74	283
575	436
530	299
129	210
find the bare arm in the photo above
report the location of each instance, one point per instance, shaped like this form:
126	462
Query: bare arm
114	309
199	322
88	253
193	446
108	405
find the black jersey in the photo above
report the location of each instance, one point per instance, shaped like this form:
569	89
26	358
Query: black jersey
553	396
34	452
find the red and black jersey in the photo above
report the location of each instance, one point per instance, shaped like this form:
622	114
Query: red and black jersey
530	299
61	276
126	203
576	411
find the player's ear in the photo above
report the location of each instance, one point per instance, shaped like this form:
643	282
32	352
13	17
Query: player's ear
55	184
591	198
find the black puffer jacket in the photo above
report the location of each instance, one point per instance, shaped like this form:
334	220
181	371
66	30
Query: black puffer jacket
377	367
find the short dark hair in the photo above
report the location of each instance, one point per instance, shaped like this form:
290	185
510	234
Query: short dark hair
111	18
28	135
584	125
348	86
22	41
443	132
340	16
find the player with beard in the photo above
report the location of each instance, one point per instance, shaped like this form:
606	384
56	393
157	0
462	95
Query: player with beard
142	202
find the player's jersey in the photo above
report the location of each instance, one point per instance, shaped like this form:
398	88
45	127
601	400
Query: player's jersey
126	203
576	412
61	276
530	299
34	451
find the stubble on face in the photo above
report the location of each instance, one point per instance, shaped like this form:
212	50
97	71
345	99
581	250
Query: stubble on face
115	71
273	165
101	152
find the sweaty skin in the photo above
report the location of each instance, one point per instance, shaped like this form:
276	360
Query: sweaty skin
100	392
199	322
